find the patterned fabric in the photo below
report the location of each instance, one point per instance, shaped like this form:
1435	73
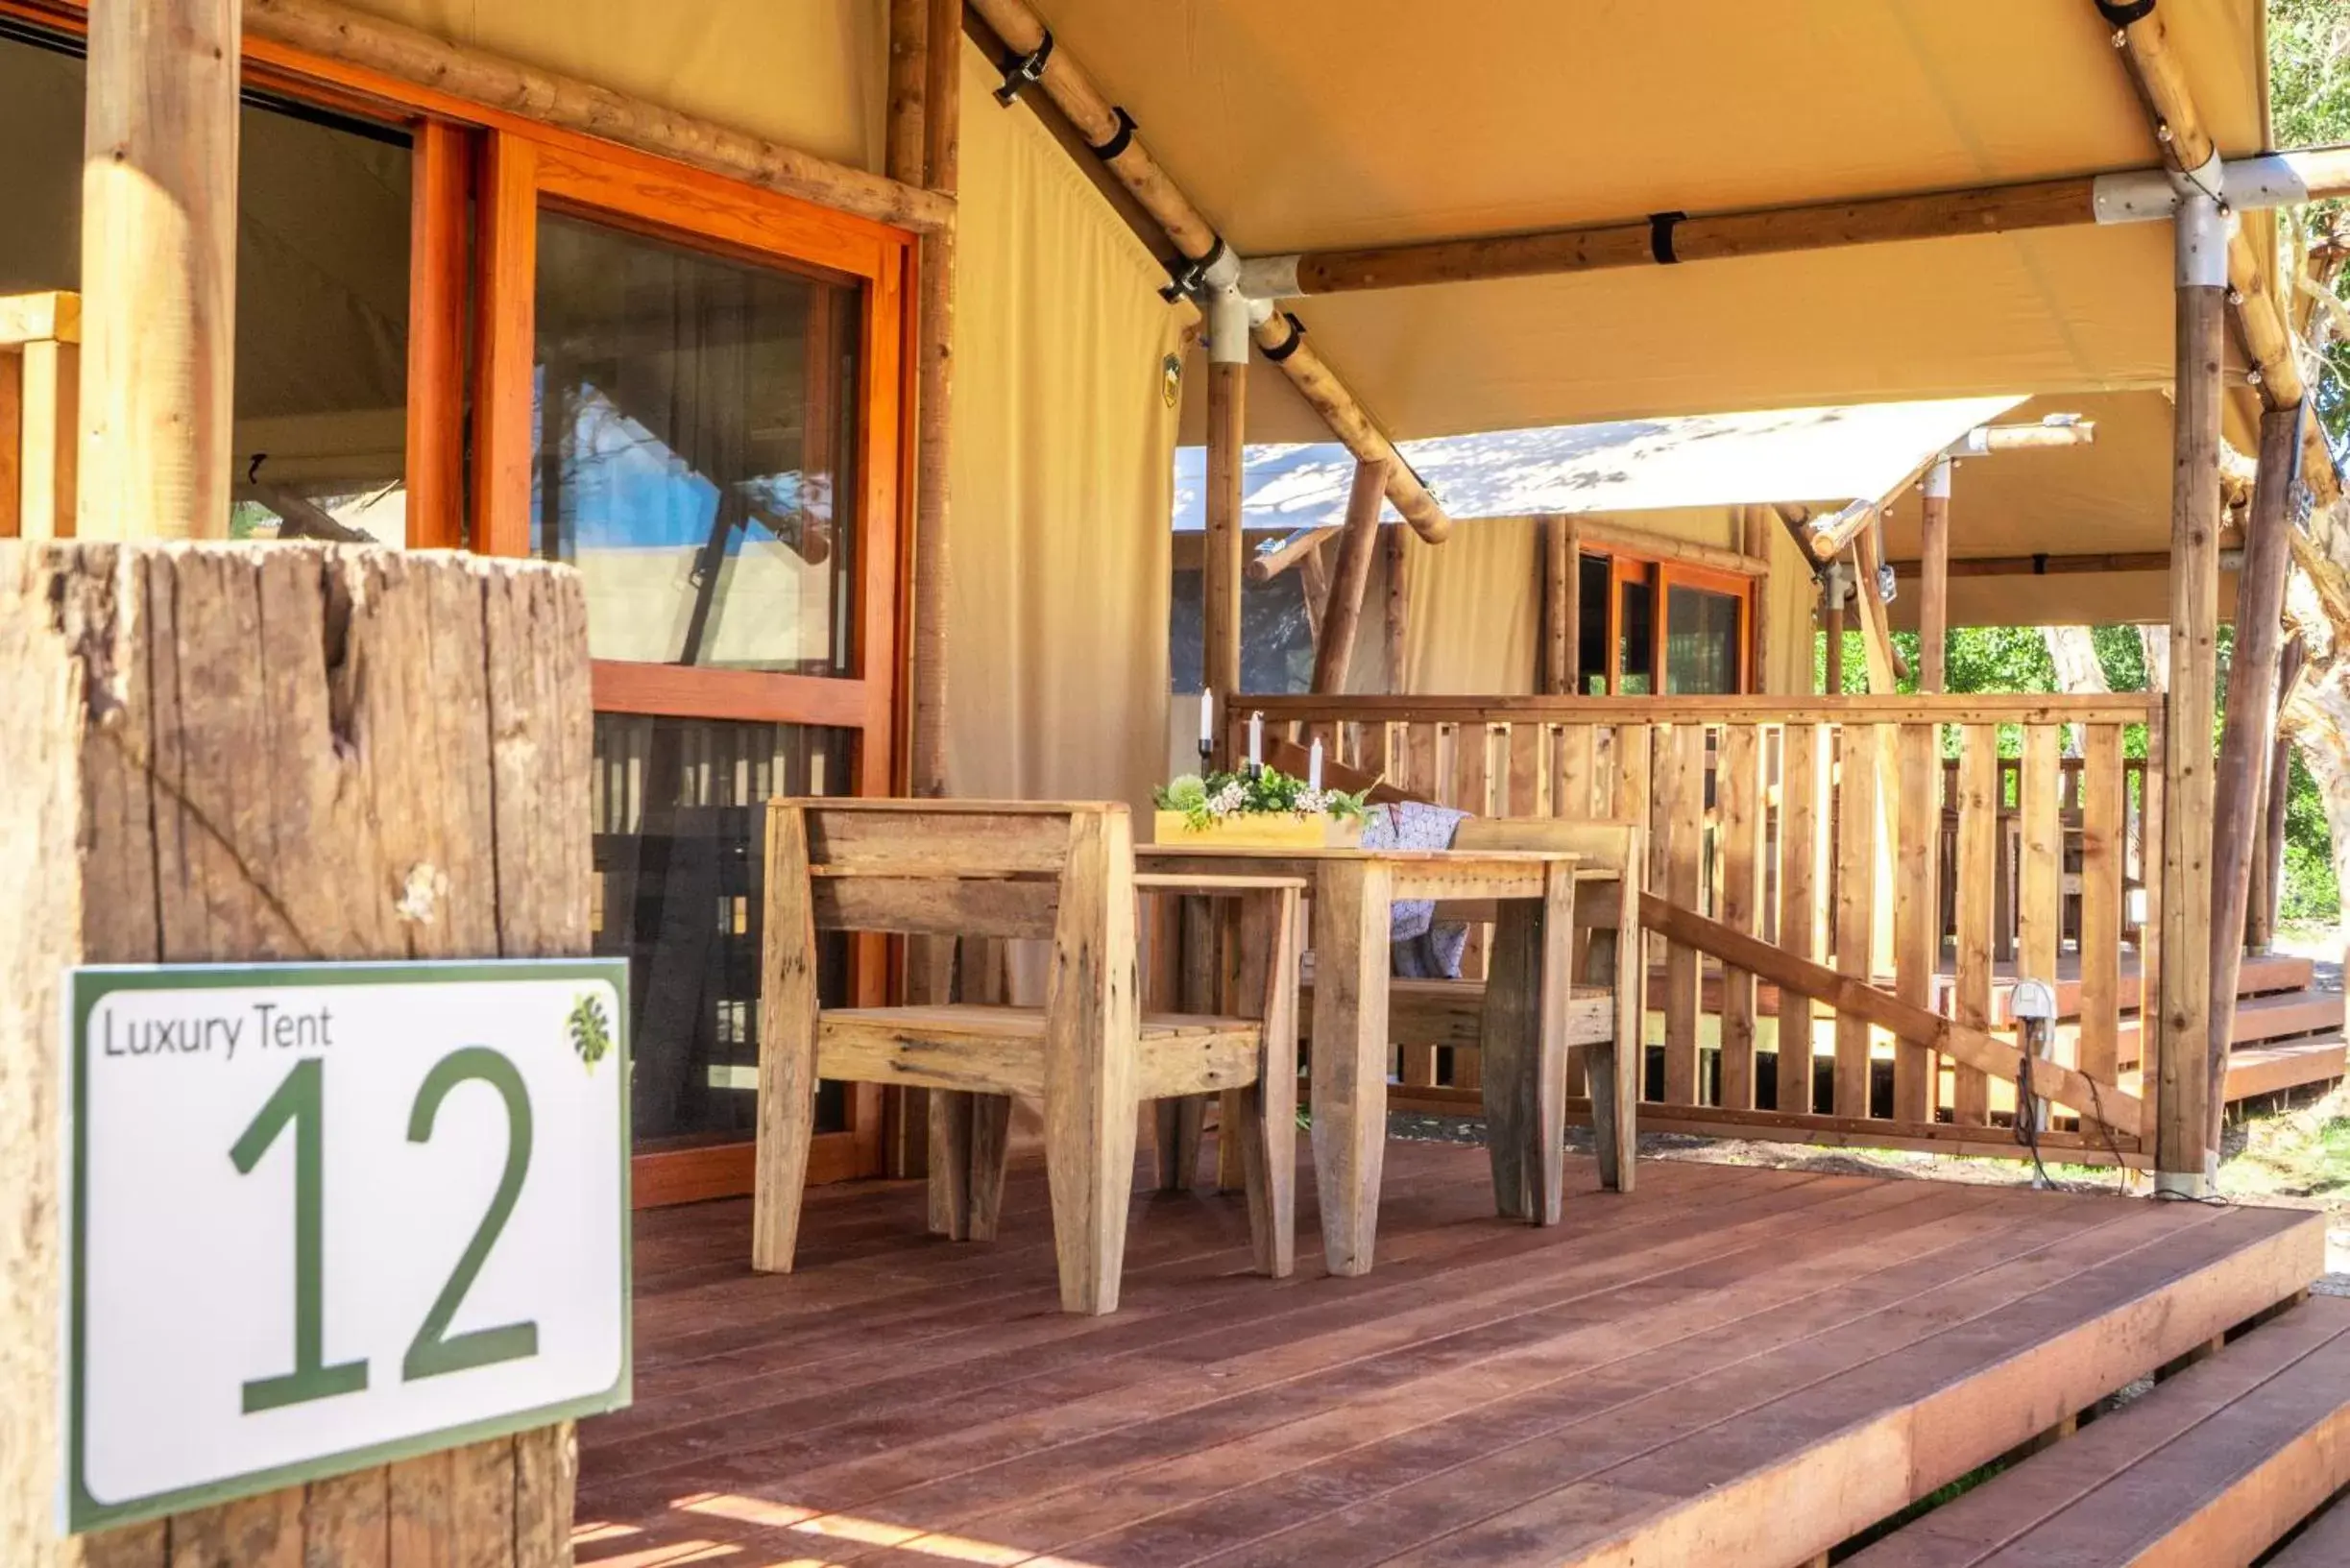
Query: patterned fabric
1419	948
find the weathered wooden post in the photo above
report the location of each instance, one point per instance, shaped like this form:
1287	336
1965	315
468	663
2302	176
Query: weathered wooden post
293	754
1220	582
1934	578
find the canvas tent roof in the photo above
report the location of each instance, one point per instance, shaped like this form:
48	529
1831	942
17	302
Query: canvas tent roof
1362	121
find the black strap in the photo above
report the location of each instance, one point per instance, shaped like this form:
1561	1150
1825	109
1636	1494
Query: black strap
1186	277
1289	345
2040	565
2123	13
1121	138
1661	237
1020	70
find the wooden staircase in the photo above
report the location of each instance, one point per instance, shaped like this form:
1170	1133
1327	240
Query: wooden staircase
2213	1468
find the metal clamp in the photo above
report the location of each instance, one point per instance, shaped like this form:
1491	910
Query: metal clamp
1022	71
1188	278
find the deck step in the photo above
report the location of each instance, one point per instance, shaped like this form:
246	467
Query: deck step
2212	1468
2324	1542
2286	1013
2254	1071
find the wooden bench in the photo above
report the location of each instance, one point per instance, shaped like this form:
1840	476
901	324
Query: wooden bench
1062	874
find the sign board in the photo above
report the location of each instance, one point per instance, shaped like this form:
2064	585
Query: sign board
321	1217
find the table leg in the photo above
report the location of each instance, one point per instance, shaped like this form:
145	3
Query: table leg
1350	1036
1527	990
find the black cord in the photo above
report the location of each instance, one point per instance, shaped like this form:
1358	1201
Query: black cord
2027	1111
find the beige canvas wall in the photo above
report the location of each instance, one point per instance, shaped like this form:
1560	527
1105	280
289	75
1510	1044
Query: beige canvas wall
1476	602
1063	477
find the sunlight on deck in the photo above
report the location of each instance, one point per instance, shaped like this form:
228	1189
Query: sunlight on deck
770	1515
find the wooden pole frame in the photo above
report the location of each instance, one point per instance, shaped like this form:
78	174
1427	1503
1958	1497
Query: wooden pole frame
1358	542
1934	579
158	269
2239	802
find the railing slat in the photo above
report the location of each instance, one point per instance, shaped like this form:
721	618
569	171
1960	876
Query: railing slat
2040	849
1979	783
1856	902
1917	911
1529	744
1676	836
1737	796
1574	796
2101	814
1800	796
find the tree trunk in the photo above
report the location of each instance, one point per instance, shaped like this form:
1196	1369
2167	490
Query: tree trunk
2079	670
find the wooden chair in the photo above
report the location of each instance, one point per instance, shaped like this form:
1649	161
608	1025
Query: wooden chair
1059	873
1604	1017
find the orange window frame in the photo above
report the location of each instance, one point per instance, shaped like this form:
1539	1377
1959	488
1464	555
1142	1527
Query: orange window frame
1660	576
480	174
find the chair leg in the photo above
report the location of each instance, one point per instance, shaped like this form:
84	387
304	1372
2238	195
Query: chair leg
950	1175
787	1126
991	1125
1262	1120
1089	1165
1181	1121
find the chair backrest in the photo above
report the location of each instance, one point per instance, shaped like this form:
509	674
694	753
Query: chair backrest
950	868
1618	846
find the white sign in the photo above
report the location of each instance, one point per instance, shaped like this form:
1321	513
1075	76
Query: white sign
320	1217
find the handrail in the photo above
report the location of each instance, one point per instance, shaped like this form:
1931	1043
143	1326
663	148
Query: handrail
2003	707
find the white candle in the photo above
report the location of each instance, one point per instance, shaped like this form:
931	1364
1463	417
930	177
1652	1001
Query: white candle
1207	717
1256	740
1313	765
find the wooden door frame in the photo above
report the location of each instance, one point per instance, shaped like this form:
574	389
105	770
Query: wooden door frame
521	174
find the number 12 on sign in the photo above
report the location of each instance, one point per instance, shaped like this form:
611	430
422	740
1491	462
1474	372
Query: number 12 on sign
327	1216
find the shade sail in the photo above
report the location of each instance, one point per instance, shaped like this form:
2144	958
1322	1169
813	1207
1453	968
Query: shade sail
1795	454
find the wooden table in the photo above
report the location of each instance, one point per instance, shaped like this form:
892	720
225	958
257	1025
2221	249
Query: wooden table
1524	1044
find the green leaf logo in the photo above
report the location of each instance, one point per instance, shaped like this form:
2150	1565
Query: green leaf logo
590	1030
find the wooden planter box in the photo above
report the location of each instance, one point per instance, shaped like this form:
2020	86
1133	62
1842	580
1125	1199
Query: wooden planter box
1261	832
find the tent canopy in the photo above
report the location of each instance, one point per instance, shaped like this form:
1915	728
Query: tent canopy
1330	122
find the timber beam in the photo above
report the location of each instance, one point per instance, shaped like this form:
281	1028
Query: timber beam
2123	195
1275	555
452	71
1209	265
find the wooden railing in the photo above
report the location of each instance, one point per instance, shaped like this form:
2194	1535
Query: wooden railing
1926	849
40	379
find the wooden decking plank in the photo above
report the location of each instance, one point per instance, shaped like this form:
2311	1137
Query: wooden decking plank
1098	1486
2009	1507
2223	1493
1528	1482
1825	1456
2324	1542
866	1364
1373	1313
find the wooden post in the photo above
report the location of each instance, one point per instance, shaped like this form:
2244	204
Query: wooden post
1831	616
1350	579
1561	604
1228	418
1399	604
925	143
2240	809
201	772
2268	867
1755	544
2185	1160
158	269
1934	579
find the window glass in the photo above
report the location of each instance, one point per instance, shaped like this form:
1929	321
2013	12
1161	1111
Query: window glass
1635	642
695	450
320	424
1701	642
680	812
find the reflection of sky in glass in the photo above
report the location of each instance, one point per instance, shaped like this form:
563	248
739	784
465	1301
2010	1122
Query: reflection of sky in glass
624	488
1796	454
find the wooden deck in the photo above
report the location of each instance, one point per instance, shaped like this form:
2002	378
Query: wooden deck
1731	1366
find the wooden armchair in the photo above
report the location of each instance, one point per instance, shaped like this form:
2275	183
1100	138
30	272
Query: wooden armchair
1062	873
